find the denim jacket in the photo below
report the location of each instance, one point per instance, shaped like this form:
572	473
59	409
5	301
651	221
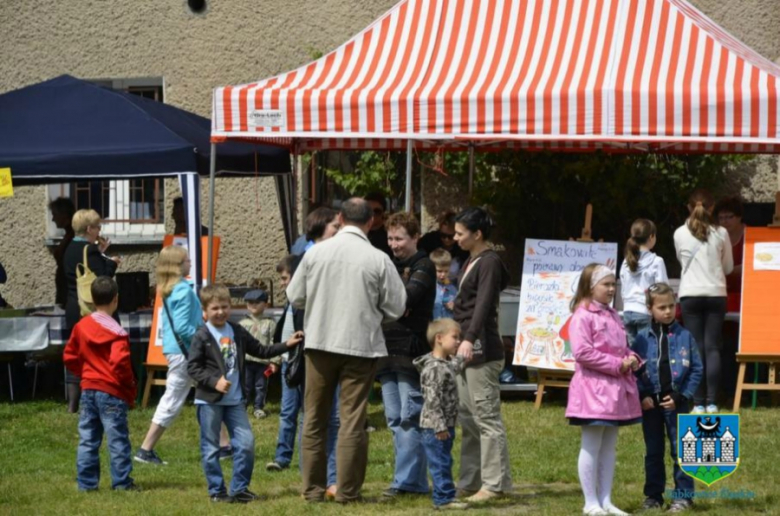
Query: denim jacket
684	360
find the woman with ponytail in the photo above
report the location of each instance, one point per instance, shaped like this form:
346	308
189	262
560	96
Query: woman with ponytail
641	268
704	252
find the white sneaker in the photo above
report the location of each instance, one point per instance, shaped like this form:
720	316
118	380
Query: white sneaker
595	511
614	510
698	409
712	409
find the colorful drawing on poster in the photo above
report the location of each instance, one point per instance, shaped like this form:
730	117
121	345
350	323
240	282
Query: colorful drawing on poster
551	270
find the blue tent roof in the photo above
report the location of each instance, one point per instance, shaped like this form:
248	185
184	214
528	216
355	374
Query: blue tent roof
68	129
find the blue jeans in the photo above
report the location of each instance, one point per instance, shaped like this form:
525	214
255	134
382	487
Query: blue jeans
101	412
634	322
439	454
333	435
403	403
242	440
255	377
654	422
288	421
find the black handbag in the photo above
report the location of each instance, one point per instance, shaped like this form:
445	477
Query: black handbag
401	341
296	371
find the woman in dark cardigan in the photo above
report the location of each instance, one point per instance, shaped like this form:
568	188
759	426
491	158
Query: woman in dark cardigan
86	226
485	469
405	340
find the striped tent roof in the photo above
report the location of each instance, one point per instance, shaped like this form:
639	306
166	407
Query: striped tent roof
619	75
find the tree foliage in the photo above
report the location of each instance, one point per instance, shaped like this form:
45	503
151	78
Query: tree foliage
544	194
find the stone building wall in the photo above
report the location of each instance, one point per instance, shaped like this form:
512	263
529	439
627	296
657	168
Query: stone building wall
233	42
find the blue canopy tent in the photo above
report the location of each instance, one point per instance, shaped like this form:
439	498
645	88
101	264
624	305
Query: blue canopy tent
66	129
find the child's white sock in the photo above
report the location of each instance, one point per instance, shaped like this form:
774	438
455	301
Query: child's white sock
588	463
607	458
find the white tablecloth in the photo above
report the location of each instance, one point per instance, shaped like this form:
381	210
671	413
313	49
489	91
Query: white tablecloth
24	334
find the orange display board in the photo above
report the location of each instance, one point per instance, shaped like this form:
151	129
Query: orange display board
758	333
154	354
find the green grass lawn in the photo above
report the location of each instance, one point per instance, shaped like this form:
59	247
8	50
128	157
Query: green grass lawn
37	468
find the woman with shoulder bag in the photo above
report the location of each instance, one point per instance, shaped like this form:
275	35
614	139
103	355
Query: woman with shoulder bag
704	251
485	471
182	315
83	257
405	341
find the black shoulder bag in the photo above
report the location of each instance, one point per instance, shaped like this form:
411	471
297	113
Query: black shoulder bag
175	335
296	371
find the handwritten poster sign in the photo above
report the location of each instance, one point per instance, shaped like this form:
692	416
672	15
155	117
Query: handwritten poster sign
551	270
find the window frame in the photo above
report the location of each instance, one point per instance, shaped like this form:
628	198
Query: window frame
118	225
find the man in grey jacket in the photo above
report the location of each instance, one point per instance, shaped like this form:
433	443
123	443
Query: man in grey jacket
348	289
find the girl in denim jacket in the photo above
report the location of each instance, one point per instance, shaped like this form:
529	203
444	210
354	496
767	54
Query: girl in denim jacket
667	382
603	393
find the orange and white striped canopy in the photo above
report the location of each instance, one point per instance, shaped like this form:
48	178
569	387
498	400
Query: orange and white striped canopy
619	75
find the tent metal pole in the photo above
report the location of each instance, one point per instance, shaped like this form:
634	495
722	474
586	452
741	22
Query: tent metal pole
408	193
471	170
212	182
305	185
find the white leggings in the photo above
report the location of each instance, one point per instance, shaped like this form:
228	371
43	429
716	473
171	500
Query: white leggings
596	465
177	387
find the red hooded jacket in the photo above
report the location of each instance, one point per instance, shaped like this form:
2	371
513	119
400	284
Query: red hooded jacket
99	353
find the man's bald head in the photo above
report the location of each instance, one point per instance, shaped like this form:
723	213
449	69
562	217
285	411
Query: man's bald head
356	212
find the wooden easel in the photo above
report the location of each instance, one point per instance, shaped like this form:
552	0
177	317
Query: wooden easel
151	369
776	219
551	378
771	385
587	235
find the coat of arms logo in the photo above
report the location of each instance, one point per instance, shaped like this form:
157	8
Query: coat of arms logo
708	445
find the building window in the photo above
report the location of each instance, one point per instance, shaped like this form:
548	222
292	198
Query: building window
131	209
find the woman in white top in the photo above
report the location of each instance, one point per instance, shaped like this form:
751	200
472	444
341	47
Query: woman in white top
704	251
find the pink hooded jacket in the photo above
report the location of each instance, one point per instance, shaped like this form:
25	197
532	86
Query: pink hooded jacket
598	389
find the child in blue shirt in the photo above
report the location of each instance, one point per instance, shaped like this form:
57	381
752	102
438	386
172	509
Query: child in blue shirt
667	381
217	363
445	291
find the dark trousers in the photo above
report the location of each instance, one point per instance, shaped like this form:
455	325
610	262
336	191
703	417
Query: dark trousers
659	425
324	372
255	377
703	317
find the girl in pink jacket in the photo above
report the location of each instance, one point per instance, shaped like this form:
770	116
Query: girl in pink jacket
603	394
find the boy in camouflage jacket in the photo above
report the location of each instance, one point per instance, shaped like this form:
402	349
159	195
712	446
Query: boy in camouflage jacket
438	371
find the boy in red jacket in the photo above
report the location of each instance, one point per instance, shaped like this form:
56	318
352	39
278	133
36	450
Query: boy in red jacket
99	353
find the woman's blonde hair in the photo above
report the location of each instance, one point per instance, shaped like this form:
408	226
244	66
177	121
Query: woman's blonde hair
82	219
700	203
169	268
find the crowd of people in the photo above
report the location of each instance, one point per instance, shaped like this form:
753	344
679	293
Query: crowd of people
392	313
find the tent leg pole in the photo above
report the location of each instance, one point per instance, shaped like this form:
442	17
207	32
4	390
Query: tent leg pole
408	193
422	197
212	182
471	170
305	185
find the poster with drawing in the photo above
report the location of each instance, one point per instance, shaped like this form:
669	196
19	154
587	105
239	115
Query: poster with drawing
551	270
